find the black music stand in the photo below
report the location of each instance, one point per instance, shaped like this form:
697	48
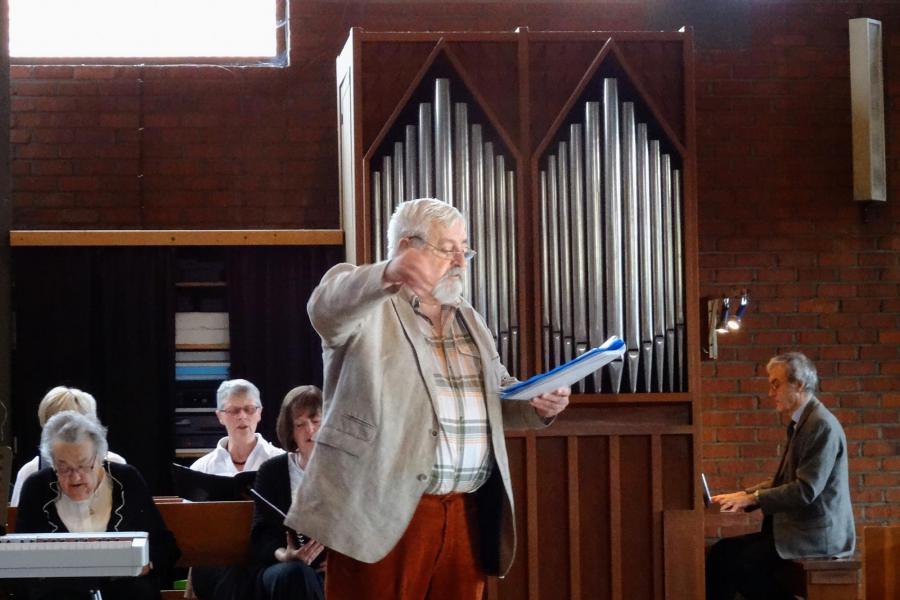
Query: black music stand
5	475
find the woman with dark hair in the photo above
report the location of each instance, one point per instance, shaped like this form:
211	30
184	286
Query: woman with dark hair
287	567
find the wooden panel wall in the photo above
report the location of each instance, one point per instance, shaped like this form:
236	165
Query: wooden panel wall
598	504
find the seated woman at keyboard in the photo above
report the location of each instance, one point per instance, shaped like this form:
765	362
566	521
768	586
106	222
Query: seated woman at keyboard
57	400
81	492
287	571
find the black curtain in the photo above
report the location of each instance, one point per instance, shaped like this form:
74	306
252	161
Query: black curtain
101	319
273	343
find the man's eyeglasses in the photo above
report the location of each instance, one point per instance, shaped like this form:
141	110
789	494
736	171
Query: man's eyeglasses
234	411
66	472
467	254
775	384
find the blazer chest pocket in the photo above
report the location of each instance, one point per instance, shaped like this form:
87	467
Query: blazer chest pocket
352	436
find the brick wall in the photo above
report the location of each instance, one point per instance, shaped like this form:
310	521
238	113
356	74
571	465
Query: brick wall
777	216
101	147
212	147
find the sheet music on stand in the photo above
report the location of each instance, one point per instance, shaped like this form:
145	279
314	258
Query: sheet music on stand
566	374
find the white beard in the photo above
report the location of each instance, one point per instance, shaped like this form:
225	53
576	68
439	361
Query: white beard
449	289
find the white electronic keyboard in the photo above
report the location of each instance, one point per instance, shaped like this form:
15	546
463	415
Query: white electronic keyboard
104	554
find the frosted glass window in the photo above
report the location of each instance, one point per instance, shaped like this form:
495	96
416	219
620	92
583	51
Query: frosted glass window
144	28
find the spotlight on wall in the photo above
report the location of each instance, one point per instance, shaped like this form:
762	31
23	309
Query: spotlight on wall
734	321
724	315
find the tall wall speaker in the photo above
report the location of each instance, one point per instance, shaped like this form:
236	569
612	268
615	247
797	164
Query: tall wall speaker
867	105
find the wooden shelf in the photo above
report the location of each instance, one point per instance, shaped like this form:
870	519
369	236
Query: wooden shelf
177	237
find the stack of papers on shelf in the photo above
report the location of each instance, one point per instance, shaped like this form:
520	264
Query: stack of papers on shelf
202	356
571	372
196	371
201	328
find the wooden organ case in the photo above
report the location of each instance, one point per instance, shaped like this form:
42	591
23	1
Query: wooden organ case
573	156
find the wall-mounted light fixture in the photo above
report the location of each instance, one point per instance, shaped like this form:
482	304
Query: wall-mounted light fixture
721	319
733	323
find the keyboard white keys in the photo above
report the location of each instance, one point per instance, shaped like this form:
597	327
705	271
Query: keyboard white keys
105	554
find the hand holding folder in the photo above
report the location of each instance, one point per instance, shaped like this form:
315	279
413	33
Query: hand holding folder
567	374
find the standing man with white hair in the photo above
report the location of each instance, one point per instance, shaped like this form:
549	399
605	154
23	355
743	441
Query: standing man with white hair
806	505
239	409
409	484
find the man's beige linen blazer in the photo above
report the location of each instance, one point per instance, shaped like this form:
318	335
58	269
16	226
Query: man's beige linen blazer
376	448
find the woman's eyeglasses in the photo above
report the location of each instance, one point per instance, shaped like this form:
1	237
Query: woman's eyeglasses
234	411
66	472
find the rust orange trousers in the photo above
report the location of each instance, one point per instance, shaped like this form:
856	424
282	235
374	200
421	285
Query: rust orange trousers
435	559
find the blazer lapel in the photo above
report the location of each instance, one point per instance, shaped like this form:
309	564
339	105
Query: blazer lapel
407	317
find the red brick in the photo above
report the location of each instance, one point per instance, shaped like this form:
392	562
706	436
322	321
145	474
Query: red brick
711	451
889	511
736	434
879	449
889	337
719	419
816	305
879	384
877	259
860	465
859	400
838	352
759	450
862	432
734	403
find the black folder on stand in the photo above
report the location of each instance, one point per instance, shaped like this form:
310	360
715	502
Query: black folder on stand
203	487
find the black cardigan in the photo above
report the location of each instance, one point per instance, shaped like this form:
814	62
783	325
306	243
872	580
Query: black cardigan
131	499
273	482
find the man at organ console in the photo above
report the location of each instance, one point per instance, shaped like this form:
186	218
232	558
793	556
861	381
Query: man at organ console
806	505
409	483
79	491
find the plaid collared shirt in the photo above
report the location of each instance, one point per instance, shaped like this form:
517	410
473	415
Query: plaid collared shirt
463	458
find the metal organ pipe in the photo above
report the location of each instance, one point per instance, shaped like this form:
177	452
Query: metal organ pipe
630	239
645	253
426	151
478	236
612	174
594	216
443	146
